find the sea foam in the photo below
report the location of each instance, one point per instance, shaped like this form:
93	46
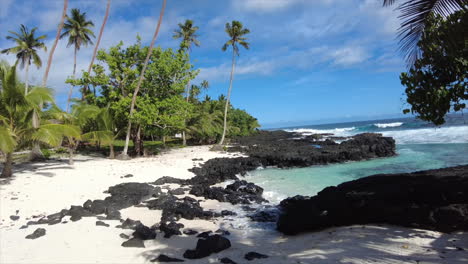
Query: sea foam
385	125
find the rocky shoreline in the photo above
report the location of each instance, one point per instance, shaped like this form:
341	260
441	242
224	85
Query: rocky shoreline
435	200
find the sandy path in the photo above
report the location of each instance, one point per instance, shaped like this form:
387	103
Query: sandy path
47	188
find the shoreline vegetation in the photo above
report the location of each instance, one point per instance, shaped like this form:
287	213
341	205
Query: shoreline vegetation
142	168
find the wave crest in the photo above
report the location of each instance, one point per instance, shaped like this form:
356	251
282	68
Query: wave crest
385	125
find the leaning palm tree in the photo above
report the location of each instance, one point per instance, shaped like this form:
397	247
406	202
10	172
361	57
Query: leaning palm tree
124	154
78	31
16	114
414	14
57	37
96	47
26	49
187	32
236	34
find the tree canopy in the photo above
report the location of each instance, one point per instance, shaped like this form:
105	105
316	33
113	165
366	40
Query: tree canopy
438	82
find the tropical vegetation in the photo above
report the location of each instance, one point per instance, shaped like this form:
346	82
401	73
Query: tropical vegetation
129	93
438	82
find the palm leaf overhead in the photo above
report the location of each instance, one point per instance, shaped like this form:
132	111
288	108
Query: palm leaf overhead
414	14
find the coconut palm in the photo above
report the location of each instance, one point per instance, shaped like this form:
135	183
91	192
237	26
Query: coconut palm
414	14
36	153
26	49
96	47
57	37
187	32
236	33
16	114
79	33
124	154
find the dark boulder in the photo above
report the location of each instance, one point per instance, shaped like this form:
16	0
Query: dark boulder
205	247
129	224
433	199
77	212
178	191
240	192
164	258
169	180
134	242
143	232
190	232
14	217
171	229
227	261
254	255
205	234
37	233
100	223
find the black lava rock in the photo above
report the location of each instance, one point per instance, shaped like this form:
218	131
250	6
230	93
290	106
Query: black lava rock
204	234
227	261
205	247
190	232
433	199
37	233
134	242
168	180
254	255
100	223
164	258
178	191
129	224
171	229
14	217
143	232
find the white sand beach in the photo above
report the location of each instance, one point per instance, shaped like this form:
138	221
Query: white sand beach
41	189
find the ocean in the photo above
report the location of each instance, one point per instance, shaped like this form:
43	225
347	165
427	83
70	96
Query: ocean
419	145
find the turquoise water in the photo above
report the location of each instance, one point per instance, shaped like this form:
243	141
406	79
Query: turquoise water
282	183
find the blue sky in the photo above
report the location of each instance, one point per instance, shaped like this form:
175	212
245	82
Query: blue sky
310	60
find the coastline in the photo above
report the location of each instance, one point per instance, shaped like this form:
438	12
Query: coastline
82	241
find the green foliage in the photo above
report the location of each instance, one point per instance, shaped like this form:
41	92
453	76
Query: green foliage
237	33
77	29
46	153
26	47
187	32
438	82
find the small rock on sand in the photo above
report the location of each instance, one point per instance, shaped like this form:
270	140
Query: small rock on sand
37	233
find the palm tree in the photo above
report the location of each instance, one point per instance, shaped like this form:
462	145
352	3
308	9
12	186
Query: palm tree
414	14
16	114
26	49
36	153
96	47
187	32
57	37
236	34
78	31
124	154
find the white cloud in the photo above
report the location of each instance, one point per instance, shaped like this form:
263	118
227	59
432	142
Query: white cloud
348	56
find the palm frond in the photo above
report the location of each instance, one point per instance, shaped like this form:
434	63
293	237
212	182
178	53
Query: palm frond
414	14
7	140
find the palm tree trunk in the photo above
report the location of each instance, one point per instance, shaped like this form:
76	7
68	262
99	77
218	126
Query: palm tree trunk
7	166
184	139
57	37
26	82
70	155
228	98
112	152
71	87
124	154
36	151
85	89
